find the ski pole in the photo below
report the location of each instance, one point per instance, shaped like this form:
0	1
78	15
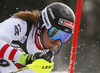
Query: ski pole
22	69
75	36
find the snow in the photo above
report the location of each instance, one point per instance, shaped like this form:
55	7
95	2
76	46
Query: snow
59	72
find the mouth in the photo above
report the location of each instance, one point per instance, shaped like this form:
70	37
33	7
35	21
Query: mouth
55	44
52	47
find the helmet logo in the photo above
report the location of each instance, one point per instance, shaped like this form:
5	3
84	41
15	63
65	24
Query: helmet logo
66	23
66	30
45	19
51	13
69	24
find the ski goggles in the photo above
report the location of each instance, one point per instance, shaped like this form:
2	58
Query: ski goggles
56	34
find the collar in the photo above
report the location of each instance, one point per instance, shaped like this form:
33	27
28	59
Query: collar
38	41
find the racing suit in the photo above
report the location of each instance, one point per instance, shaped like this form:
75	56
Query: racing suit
17	36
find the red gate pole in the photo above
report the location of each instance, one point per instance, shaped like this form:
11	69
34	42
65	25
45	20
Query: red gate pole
75	36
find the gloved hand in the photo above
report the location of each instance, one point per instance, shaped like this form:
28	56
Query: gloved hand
39	62
41	66
28	58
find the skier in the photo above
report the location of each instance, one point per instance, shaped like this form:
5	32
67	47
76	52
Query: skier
30	36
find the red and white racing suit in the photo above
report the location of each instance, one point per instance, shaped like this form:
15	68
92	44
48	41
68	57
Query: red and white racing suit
17	36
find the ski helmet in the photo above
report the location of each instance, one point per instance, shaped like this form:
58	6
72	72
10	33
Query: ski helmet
58	15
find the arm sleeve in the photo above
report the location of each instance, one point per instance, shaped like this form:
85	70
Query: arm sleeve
11	29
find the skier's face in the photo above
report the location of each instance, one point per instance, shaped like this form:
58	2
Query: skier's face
48	43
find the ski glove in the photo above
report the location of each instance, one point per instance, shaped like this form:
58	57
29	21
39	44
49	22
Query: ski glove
29	58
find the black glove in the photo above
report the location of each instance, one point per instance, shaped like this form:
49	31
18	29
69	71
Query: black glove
28	58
